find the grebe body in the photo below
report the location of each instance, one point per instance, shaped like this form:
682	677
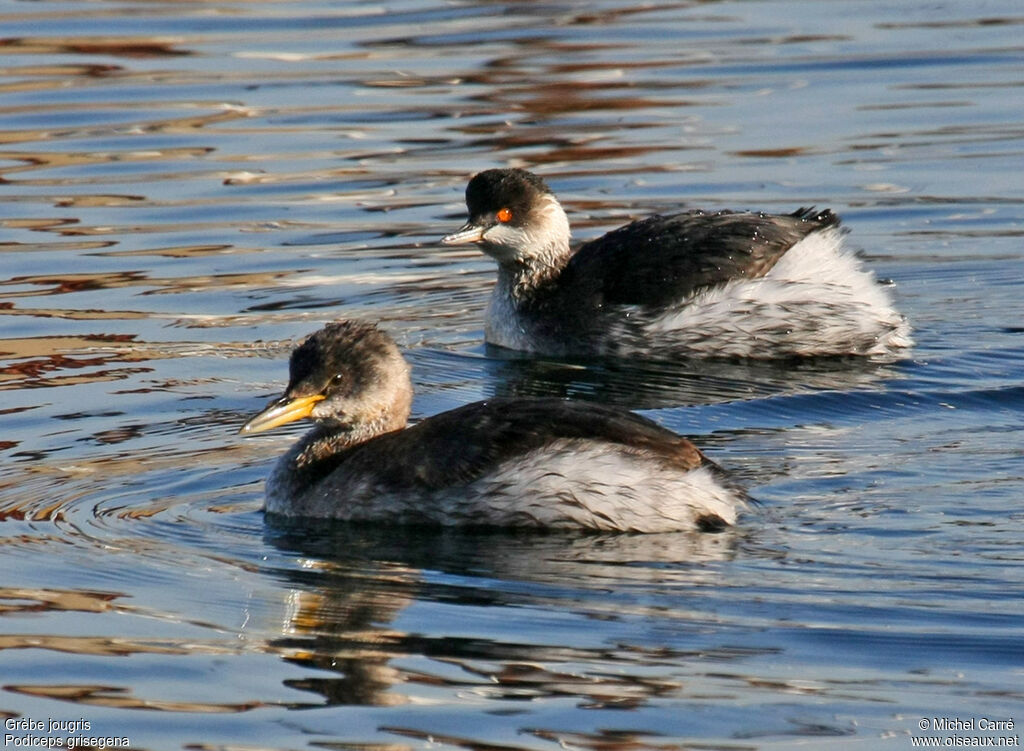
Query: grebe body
507	462
693	284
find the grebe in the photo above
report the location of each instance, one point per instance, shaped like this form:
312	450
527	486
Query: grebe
506	462
695	284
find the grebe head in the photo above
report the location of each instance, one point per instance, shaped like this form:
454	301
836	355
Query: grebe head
514	218
347	376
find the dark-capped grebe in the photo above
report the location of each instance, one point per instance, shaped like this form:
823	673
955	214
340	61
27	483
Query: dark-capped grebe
722	284
509	462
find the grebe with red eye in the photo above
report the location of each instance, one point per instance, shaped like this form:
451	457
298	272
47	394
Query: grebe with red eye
694	284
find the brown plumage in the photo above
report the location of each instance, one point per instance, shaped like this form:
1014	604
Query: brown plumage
504	462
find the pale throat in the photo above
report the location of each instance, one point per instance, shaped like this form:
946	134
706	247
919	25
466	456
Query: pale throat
370	418
542	253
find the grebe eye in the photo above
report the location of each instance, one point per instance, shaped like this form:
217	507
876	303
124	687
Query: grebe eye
504	215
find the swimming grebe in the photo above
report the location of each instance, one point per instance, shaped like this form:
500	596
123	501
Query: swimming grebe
507	462
722	284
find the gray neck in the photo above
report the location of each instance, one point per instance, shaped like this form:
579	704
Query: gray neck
325	441
520	282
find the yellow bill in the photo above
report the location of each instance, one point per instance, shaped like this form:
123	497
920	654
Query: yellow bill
282	411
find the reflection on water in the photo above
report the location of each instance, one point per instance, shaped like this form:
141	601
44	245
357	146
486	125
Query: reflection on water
189	189
652	385
344	604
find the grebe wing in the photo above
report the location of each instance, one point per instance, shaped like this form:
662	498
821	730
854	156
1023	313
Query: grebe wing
664	259
459	446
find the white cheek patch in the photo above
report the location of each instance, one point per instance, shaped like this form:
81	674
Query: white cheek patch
505	243
542	240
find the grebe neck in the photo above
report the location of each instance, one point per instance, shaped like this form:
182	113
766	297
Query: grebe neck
327	440
521	279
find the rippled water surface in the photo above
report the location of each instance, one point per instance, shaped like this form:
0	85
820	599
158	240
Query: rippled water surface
191	187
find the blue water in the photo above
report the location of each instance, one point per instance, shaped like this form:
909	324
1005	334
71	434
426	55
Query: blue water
190	188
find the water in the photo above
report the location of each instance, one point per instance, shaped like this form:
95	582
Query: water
190	188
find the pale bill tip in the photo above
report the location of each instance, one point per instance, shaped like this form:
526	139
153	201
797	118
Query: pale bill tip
467	234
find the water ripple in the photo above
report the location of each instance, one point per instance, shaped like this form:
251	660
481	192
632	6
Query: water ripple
190	189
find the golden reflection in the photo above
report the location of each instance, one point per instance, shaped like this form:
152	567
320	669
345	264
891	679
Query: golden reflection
67	283
105	646
338	631
339	610
35	360
59	70
49	246
37	224
36	160
8	309
539	85
70	283
15	600
52	511
94	201
182	251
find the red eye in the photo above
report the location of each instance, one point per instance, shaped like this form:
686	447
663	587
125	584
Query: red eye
504	215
